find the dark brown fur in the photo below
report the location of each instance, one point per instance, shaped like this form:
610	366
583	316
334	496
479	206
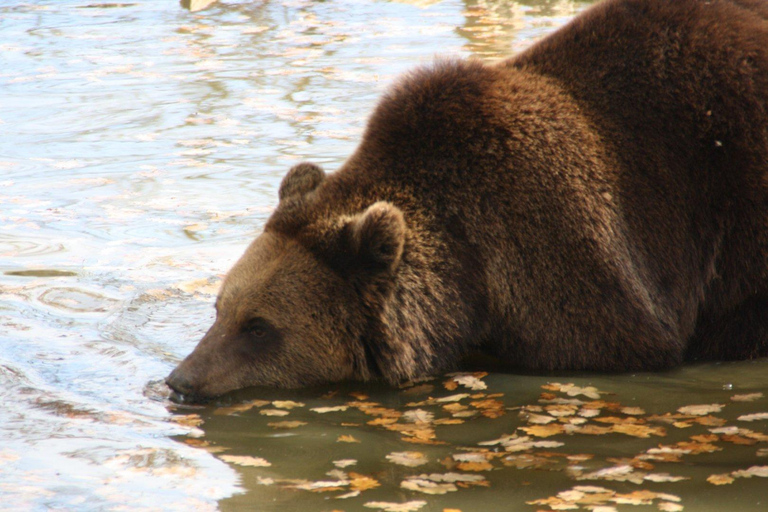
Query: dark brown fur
598	202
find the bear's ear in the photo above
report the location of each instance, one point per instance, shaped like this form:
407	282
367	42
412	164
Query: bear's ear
300	181
378	236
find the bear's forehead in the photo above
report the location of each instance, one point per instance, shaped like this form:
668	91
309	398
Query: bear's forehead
274	270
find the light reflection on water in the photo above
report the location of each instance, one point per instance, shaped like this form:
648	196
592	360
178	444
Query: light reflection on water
142	146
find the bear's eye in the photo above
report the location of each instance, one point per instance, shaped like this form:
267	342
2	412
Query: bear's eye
257	327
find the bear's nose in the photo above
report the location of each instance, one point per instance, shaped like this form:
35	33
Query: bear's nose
179	382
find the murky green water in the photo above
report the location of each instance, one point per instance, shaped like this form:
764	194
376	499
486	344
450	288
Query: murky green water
141	147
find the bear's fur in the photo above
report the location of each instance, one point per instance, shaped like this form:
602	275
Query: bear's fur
598	202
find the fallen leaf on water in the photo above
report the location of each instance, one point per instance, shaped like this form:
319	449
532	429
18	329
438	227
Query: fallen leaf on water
244	460
273	412
489	407
749	397
286	424
632	411
343	463
346	439
188	420
410	459
754	417
448	421
594	430
600	499
720	479
453	477
452	398
761	471
666	506
358	395
475	466
664	477
197	443
544	430
287	404
571	389
240	407
410	506
427	486
738	440
418	416
440	483
323	485
469	380
701	410
638	430
560	411
323	410
382	421
358	482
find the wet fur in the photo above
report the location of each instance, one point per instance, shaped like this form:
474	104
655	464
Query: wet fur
598	202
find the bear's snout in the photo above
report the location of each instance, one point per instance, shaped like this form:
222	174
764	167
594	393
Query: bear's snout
180	382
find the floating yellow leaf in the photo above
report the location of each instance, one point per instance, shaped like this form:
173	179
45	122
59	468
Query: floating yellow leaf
286	424
428	486
323	410
409	506
720	479
244	460
573	390
540	419
382	421
469	380
358	482
452	398
749	397
418	416
287	404
701	410
475	466
754	417
638	430
448	421
410	459
188	420
761	471
346	439
561	410
240	407
544	430
273	412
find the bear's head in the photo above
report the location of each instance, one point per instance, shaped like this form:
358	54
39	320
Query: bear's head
297	308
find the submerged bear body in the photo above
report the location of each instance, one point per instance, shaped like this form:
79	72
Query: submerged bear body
598	202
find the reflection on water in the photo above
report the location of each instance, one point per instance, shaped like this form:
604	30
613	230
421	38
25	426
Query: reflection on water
142	148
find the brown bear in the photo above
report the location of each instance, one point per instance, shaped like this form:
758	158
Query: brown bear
598	202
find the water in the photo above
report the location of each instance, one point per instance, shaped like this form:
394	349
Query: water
142	146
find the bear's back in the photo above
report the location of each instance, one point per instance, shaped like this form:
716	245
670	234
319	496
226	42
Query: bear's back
685	80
